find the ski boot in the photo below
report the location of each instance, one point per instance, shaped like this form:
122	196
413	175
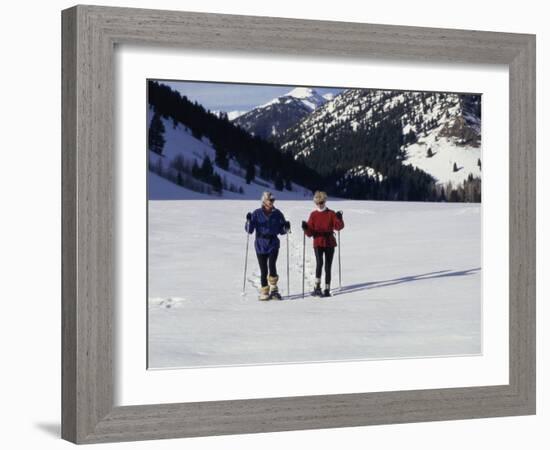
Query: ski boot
317	289
326	292
273	289
264	293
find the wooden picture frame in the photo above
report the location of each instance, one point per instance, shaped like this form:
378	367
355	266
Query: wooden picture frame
89	35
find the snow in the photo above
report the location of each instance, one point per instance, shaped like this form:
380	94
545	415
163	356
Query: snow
445	154
411	285
159	188
232	115
359	171
346	109
308	96
302	92
180	141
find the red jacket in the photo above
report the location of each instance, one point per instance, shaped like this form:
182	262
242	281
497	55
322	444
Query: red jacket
321	225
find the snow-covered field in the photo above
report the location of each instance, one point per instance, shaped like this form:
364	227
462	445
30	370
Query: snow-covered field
411	285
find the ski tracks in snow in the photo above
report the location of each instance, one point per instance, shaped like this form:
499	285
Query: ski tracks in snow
166	303
295	267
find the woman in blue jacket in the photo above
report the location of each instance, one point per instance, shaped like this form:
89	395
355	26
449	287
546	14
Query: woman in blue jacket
268	222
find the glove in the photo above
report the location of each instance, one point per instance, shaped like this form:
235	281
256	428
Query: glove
304	225
339	215
287	226
248	217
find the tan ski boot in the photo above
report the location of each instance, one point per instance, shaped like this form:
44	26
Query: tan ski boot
273	289
264	293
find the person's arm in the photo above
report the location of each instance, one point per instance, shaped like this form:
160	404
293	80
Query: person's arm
309	230
338	220
285	225
250	224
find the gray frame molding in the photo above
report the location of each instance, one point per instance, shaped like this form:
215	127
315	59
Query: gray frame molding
89	34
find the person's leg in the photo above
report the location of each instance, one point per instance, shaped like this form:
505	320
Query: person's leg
318	270
329	256
262	262
273	262
273	277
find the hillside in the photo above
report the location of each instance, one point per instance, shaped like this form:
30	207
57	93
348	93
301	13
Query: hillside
171	173
362	128
360	144
271	119
205	153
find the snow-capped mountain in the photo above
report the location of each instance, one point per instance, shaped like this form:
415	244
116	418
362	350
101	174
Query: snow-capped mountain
231	115
362	144
439	133
271	119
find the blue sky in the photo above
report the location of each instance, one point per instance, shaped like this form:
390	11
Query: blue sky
231	96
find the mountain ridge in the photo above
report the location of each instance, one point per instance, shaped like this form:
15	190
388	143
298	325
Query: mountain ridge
437	130
275	116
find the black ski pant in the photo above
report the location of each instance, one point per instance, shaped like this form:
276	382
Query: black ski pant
328	253
267	261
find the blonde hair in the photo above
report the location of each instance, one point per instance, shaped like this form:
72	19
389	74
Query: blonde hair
319	196
266	195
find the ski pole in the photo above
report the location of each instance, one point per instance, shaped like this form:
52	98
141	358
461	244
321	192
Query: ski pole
339	263
287	268
246	259
304	267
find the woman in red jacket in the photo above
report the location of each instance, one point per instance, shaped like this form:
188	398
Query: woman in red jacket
321	225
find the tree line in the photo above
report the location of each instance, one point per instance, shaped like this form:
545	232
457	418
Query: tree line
229	141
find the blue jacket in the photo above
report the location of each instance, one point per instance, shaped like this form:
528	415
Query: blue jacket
267	228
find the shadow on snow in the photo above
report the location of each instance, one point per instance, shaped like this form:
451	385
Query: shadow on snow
385	283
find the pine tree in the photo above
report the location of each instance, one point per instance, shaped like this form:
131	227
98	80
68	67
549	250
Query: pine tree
430	153
195	170
159	168
156	135
250	172
222	159
442	196
207	170
455	168
288	184
279	183
217	183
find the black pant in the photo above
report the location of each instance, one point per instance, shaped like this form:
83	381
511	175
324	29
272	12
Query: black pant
265	260
328	252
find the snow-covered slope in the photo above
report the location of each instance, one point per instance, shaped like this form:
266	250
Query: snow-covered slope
448	124
411	286
274	117
445	154
183	148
